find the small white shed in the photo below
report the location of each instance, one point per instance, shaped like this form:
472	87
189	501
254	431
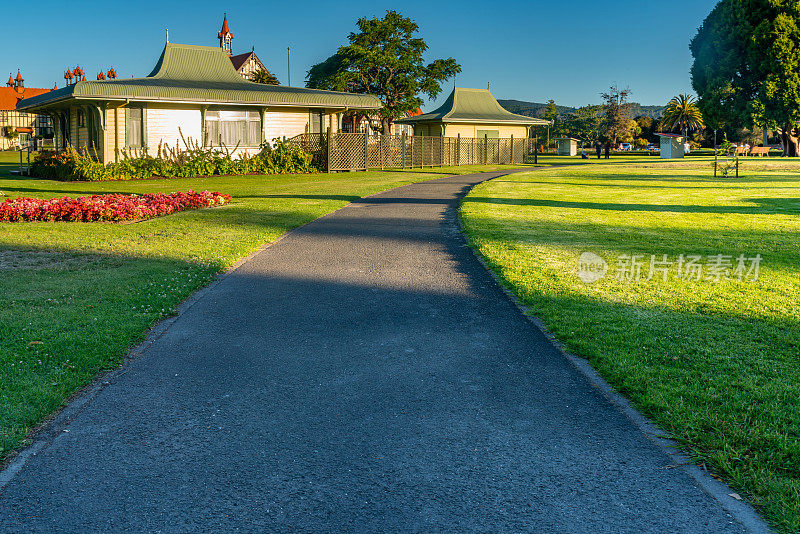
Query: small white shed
671	145
567	146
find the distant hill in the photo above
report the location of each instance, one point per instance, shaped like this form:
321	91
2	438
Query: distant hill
537	109
531	109
638	110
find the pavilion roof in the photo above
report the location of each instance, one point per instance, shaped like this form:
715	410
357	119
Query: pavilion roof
199	74
475	106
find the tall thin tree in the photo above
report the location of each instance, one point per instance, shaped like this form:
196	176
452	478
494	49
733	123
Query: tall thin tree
616	120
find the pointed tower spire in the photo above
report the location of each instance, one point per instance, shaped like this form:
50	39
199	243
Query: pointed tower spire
10	81
225	36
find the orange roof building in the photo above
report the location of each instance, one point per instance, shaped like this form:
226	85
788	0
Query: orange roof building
24	124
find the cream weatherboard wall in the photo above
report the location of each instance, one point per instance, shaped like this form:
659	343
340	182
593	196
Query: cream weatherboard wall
471	130
166	124
288	122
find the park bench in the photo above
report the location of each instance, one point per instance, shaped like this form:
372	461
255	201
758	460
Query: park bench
759	151
741	151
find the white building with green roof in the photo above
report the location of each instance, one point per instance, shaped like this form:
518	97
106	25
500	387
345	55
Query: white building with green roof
472	113
193	92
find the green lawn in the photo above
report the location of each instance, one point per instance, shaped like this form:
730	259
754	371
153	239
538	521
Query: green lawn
77	296
715	364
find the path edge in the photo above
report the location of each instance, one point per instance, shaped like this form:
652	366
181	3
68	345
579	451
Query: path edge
741	510
43	434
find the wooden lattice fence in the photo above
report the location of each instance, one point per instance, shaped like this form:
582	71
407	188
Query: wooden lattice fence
363	151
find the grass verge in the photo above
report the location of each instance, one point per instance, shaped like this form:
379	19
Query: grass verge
714	363
77	296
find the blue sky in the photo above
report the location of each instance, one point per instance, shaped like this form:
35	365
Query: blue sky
534	50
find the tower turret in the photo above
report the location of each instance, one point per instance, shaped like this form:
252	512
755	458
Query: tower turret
225	36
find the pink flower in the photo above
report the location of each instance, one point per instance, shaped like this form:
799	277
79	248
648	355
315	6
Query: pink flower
111	207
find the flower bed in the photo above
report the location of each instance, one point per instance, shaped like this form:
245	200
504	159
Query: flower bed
172	162
112	207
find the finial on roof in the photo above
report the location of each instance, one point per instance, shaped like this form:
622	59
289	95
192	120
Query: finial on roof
167	30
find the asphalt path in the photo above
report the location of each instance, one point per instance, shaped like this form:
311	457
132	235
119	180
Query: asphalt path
363	374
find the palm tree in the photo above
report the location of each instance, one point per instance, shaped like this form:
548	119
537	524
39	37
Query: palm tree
265	77
682	114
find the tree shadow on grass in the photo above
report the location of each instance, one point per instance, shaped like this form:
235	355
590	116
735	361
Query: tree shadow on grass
779	248
767	205
558	182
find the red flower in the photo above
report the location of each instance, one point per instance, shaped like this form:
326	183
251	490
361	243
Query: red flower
112	207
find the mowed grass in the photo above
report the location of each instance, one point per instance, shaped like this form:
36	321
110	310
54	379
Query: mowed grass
717	364
77	296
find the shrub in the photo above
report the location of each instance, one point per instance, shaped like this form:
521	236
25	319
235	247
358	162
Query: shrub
111	207
169	162
640	143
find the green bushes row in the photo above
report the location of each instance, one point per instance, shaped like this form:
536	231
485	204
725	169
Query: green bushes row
194	160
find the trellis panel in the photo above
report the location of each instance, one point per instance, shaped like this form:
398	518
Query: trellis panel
360	151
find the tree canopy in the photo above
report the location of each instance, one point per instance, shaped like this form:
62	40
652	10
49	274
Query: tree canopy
265	77
585	123
746	68
384	58
682	114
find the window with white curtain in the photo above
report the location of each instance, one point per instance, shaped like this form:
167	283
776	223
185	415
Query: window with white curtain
134	127
233	127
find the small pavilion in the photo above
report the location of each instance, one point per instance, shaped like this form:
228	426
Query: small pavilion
567	146
472	113
671	145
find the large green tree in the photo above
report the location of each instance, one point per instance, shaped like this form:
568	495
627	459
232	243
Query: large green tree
746	68
385	58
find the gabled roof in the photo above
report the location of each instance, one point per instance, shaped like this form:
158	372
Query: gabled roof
199	74
670	135
472	105
9	96
240	59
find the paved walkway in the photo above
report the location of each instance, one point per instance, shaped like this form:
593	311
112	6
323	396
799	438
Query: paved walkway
363	374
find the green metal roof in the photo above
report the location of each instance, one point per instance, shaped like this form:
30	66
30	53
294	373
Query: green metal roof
471	106
199	74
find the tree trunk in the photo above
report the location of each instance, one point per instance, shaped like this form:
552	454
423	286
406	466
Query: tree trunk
789	141
385	125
